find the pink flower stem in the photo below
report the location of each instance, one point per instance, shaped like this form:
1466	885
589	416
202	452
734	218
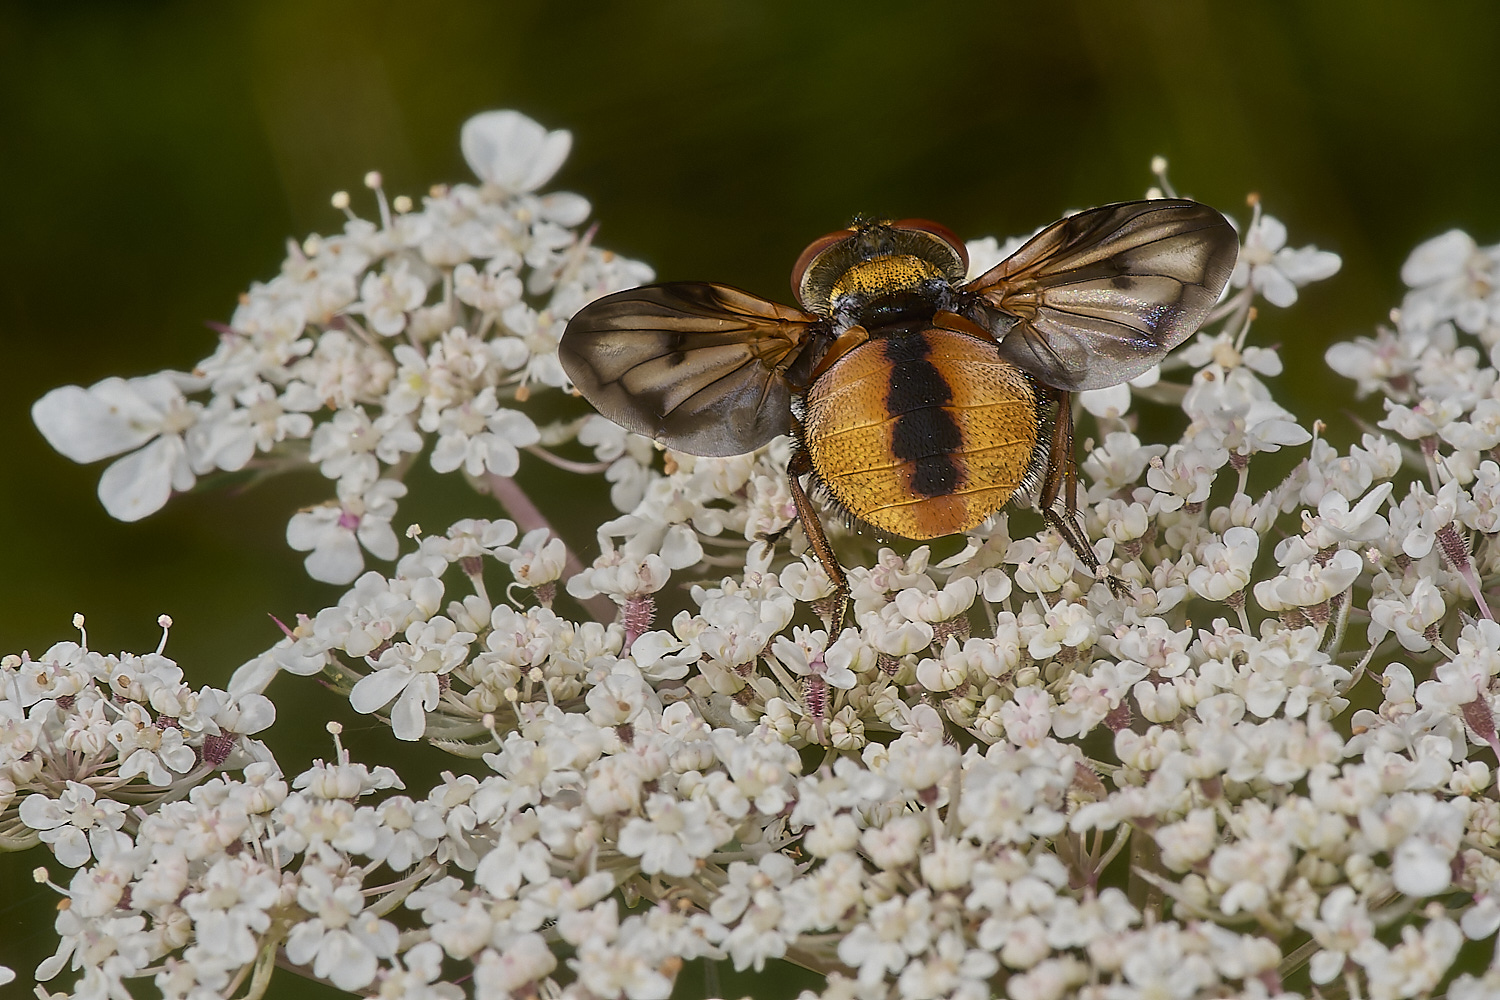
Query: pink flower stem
1480	719
1456	549
528	518
1473	583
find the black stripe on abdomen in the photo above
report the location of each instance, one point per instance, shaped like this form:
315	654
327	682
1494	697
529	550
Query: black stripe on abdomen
924	433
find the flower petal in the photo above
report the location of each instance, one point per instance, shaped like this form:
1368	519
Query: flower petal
511	151
337	558
141	483
89	424
373	691
1440	257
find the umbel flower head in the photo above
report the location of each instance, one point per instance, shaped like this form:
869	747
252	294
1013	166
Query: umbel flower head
1264	768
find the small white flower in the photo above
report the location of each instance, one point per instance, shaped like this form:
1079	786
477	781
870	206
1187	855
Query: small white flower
1309	582
1413	967
1028	716
1088	699
1466	679
1065	624
1185	843
526	959
493	290
413	976
512	152
939	606
411	673
621	577
1185	474
228	435
74	822
1250	870
386	298
1220	351
1042	565
1115	400
894	931
662	656
1273	269
1337	522
1434	512
335	531
1385	363
482	437
536	559
1118	463
1224	566
1451	278
118	415
341	942
229	908
351	447
672	836
1410	616
1248	428
158	753
810	655
1480	432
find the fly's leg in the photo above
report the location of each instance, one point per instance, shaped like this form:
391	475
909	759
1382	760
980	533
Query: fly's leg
812	525
1061	480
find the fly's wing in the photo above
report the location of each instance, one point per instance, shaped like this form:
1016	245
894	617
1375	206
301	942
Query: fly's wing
697	366
1103	295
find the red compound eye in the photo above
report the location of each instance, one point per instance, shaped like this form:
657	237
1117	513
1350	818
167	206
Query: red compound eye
940	231
814	249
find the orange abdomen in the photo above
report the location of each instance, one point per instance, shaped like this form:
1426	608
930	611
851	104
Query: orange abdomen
922	434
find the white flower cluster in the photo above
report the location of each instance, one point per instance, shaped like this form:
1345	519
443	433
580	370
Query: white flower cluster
1264	771
368	345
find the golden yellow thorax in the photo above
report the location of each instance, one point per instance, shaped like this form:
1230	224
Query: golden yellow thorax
883	275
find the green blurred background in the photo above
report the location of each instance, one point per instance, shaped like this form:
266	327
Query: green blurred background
154	157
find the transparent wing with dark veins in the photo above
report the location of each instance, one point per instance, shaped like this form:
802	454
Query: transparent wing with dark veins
1103	295
697	366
